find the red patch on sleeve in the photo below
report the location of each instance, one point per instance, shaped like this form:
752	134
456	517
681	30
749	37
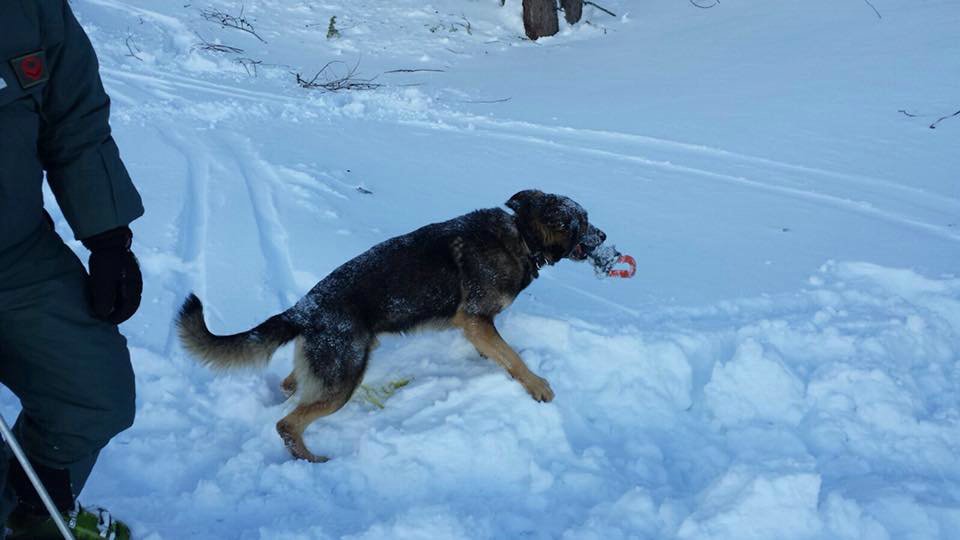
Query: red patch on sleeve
31	69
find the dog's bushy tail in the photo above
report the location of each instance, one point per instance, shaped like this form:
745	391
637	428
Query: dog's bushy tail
251	348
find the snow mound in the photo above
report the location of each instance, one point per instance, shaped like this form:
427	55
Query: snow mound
828	413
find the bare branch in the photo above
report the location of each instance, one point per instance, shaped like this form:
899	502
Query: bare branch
206	45
329	81
483	101
934	125
415	71
226	20
603	9
873	8
132	47
249	65
466	25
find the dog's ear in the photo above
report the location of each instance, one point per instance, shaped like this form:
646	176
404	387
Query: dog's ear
520	202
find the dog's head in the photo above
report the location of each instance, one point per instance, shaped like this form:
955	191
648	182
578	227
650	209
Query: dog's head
554	225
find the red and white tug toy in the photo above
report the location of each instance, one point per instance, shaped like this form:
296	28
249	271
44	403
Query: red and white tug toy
605	260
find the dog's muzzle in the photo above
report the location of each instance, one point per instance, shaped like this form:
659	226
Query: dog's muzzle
590	241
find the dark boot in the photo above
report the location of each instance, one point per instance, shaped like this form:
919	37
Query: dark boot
84	523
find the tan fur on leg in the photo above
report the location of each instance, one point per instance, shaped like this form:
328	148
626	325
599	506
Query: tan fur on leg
481	332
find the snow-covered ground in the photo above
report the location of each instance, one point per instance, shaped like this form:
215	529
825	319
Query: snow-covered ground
783	365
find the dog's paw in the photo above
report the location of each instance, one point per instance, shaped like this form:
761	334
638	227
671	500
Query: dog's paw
538	388
294	443
309	456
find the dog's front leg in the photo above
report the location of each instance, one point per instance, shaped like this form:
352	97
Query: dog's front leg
481	332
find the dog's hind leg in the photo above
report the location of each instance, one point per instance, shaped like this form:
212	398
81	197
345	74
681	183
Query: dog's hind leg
481	332
325	386
291	427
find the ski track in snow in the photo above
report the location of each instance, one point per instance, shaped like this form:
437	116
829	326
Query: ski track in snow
597	136
589	142
171	81
261	181
192	220
597	298
783	179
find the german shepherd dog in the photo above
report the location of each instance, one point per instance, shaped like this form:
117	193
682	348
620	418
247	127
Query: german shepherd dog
455	274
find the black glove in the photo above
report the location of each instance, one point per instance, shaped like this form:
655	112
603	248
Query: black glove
115	280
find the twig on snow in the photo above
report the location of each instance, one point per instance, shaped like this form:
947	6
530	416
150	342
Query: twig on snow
226	20
415	71
605	10
131	46
466	25
485	101
934	125
331	82
206	45
249	65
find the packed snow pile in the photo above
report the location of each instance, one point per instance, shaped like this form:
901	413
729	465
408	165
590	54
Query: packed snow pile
783	365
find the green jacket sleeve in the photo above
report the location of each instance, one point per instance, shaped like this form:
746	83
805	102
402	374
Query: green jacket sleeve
82	161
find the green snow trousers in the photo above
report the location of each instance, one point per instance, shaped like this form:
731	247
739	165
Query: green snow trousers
71	371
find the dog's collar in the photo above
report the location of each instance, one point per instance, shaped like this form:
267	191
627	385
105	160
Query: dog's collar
537	260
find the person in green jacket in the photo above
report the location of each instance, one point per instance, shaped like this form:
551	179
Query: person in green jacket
60	350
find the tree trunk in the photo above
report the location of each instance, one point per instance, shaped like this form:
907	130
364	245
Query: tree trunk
540	18
572	10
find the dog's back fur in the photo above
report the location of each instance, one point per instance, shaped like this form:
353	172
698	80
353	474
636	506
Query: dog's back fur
418	279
